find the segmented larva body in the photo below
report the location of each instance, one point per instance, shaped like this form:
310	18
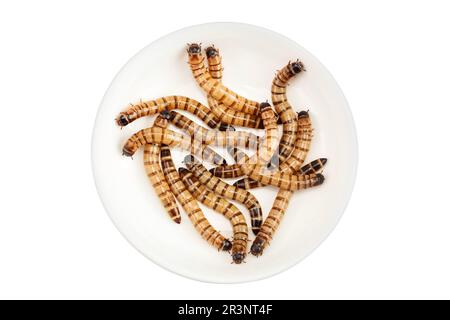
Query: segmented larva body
284	180
199	149
225	114
279	208
215	88
189	204
152	107
313	167
234	117
215	67
219	204
296	158
280	205
218	138
228	191
174	139
268	144
283	108
231	171
156	175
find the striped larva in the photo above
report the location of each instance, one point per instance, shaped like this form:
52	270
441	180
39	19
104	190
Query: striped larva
215	88
231	171
279	207
313	167
269	142
298	155
189	204
215	67
151	107
175	139
283	108
220	138
219	204
283	180
156	175
228	191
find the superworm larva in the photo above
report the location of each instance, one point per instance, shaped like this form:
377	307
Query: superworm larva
313	167
283	108
221	138
268	145
189	204
215	67
279	207
296	158
151	107
228	191
282	180
219	204
172	139
215	88
231	171
186	124
156	175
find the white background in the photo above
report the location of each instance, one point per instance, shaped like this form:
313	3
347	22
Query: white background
391	59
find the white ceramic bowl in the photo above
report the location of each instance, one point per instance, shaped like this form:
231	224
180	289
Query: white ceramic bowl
251	55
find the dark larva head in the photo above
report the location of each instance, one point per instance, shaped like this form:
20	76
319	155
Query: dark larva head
165	114
226	245
319	179
190	161
257	247
296	67
211	52
238	257
194	49
303	114
263	106
226	127
122	120
183	172
129	149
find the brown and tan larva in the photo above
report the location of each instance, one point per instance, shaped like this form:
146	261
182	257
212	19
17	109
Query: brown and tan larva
175	139
219	204
215	88
269	142
231	171
283	108
313	167
279	207
189	204
214	58
296	158
228	191
156	175
283	180
152	107
220	138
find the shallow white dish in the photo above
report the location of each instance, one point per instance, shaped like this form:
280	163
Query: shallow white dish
251	55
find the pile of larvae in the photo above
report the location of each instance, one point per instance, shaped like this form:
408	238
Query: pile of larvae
277	161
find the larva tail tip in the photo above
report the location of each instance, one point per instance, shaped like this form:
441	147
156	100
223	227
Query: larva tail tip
323	161
177	220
